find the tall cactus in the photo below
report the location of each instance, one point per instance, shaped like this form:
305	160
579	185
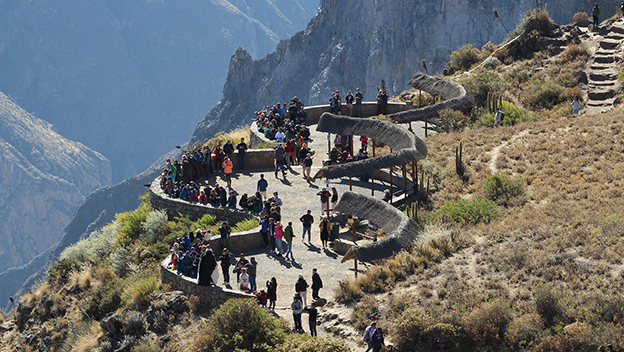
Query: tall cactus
493	101
423	193
460	167
412	211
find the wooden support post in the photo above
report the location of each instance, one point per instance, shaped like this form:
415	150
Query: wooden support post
414	162
419	98
328	144
426	127
373	183
391	192
350	184
405	180
410	126
354	259
351	146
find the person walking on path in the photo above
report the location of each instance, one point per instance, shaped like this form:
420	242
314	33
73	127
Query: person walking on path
596	15
312	314
307	166
325	197
225	231
301	287
225	265
272	293
265	229
280	154
307	220
297	309
228	167
576	106
242	149
251	271
262	187
377	340
368	335
325	227
279	235
334	199
498	118
317	284
288	236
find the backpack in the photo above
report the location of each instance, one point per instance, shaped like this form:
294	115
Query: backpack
502	116
307	162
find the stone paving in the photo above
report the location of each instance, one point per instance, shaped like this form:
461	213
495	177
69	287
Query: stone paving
299	195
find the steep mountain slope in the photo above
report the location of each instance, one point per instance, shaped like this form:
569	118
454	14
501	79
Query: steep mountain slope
120	75
377	40
43	178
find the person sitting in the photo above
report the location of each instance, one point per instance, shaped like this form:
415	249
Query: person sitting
243	280
387	196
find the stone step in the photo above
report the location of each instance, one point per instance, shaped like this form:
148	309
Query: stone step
594	76
600	85
605	53
617	29
601	94
606	44
604	59
614	37
600	67
601	103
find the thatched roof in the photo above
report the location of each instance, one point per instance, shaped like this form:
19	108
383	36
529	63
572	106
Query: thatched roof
407	147
456	98
401	229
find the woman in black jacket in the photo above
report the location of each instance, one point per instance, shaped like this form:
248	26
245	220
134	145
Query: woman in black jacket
272	293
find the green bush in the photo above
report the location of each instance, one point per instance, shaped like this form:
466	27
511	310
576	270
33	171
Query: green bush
451	120
502	188
481	84
120	261
469	211
140	290
155	225
131	224
306	343
464	57
534	20
542	93
548	306
90	250
104	300
409	330
245	225
524	330
241	325
206	221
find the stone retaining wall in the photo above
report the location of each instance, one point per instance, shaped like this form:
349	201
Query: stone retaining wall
315	112
213	295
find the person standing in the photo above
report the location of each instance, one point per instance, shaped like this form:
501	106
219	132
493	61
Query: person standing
279	235
576	106
262	186
338	102
279	159
242	149
272	234
498	117
317	284
228	148
307	220
225	265
207	264
265	229
349	99
228	167
307	166
301	287
384	102
312	314
325	227
272	293
377	340
364	143
358	102
596	15
334	199
368	335
325	196
297	308
251	271
243	280
288	236
332	103
225	231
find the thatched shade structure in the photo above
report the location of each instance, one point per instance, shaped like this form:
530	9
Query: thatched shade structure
407	147
401	229
456	98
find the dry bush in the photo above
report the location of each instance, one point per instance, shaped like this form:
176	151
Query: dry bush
464	57
80	280
452	121
193	303
486	325
580	17
347	291
574	52
524	330
234	135
366	311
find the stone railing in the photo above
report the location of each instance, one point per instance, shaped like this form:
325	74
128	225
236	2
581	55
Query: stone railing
315	112
213	295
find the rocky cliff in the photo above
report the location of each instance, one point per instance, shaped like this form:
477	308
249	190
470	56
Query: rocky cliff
130	78
354	43
43	178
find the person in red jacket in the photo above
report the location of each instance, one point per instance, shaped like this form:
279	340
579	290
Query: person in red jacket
228	167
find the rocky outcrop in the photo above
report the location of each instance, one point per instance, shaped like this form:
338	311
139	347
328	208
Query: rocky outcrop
130	79
353	43
43	179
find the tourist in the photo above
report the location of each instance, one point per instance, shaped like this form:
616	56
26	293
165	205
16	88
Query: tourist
334	199
272	234
262	186
358	102
251	271
228	167
387	196
498	118
368	335
228	149
303	152
277	200
325	197
364	143
610	348
265	229
222	196
272	293
302	115
317	284
224	231
225	265
576	106
279	235
219	155
301	287
288	236
312	314
207	264
338	102
349	99
307	220
325	227
307	166
242	150
332	103
279	159
384	102
289	152
243	280
231	203
596	15
297	308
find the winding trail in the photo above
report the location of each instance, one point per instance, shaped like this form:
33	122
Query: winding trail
496	152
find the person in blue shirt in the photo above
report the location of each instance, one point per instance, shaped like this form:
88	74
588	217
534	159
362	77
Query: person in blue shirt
262	186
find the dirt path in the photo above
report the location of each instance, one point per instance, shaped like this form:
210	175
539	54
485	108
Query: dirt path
495	153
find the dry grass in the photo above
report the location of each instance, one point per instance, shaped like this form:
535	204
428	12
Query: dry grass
80	280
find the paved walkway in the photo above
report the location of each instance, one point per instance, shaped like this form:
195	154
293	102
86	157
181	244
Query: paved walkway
299	195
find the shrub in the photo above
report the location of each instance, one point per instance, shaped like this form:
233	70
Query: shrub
469	211
575	51
155	225
227	331
245	225
409	330
451	120
524	330
502	188
464	57
481	84
131	224
547	305
580	17
347	291
140	290
90	250
542	93
206	221
486	325
120	261
365	312
306	343
104	300
533	20
133	324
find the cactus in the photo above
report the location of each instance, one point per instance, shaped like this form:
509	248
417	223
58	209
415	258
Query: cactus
460	167
493	101
423	194
412	211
